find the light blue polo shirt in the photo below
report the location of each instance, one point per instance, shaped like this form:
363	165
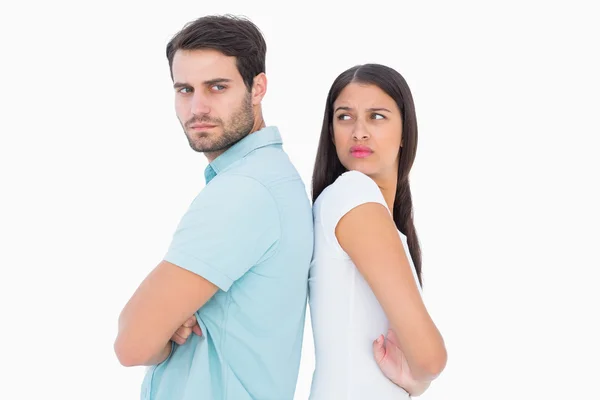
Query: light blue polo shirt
250	232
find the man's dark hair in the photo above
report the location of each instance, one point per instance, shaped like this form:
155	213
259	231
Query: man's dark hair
231	35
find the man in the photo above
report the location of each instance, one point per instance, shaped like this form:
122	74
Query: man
240	256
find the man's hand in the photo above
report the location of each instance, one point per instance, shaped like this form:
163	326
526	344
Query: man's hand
394	366
181	335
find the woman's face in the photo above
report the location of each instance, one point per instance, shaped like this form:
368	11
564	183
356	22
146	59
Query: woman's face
367	130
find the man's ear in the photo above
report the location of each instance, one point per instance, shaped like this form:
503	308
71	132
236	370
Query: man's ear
259	88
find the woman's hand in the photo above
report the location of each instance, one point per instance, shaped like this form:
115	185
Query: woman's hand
394	366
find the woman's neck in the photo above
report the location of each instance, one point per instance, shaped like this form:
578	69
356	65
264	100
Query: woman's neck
387	185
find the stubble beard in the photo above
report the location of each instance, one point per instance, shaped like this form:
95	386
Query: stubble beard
238	127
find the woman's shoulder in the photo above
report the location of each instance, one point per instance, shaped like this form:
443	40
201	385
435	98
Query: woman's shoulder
354	177
349	190
350	183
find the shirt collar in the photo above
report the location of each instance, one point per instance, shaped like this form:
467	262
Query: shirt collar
267	136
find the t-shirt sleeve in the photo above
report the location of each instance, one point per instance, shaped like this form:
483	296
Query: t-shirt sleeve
349	191
232	225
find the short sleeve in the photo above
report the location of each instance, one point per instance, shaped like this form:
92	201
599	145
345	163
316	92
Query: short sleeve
349	190
232	225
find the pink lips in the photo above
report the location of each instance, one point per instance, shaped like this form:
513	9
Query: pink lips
361	151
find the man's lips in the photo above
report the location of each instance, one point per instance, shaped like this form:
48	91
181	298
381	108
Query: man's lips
201	126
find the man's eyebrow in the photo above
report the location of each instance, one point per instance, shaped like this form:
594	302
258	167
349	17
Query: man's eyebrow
216	80
210	82
179	85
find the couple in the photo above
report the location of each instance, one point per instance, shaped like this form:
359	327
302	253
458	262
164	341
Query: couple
222	316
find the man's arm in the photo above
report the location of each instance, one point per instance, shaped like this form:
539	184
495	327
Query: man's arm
221	236
160	305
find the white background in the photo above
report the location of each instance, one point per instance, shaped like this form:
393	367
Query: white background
96	172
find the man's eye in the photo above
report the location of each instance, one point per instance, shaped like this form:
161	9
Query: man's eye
185	90
218	88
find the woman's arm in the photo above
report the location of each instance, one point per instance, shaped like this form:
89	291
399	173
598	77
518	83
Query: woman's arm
368	235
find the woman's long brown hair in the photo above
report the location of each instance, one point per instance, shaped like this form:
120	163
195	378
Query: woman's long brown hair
328	166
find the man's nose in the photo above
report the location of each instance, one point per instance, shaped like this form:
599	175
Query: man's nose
200	105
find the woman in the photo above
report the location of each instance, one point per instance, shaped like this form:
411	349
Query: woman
365	276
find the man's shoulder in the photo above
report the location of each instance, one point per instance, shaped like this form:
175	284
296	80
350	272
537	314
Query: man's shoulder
268	166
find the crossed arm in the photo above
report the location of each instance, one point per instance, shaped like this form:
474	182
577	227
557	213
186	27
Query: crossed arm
159	306
368	235
200	261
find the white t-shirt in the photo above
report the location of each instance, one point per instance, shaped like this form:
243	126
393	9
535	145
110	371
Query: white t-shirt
346	316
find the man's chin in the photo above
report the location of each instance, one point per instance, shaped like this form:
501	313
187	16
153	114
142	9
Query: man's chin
208	149
201	145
